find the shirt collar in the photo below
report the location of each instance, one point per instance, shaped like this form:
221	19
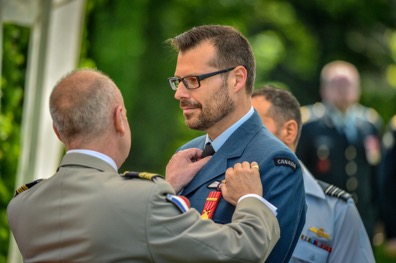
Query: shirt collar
96	154
311	186
222	138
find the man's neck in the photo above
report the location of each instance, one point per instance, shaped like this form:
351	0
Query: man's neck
217	129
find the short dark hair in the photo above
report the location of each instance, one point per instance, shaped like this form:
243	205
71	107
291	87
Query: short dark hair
233	49
284	106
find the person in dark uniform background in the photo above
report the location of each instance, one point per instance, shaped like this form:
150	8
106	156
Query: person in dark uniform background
87	212
333	231
387	187
340	139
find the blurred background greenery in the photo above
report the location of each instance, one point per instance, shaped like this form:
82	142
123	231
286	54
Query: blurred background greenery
292	40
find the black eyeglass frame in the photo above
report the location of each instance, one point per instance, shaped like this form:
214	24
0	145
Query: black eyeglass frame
172	80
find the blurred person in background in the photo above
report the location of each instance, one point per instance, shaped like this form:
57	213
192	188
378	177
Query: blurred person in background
333	231
340	139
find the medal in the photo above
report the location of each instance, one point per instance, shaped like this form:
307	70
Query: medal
211	204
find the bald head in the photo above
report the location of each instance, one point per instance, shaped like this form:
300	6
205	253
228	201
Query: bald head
340	84
81	105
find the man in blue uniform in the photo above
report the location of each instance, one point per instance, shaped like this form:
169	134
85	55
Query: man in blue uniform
213	81
333	230
341	143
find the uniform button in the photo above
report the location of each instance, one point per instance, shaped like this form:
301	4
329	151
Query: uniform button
351	168
350	152
352	184
388	140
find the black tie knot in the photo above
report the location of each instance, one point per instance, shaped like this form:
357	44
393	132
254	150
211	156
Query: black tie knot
208	150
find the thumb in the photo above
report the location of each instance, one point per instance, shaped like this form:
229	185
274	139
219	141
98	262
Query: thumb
201	162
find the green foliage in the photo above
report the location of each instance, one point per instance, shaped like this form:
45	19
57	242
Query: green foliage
12	81
292	40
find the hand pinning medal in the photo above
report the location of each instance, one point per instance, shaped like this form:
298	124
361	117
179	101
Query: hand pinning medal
240	174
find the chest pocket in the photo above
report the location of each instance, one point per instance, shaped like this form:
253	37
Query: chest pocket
307	252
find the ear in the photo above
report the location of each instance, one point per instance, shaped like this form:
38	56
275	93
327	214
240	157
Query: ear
56	132
290	129
239	80
119	121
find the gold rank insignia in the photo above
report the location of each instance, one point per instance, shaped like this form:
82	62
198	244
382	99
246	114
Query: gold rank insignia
141	175
27	186
320	232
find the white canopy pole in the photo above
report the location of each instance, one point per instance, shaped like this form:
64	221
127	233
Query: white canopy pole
54	50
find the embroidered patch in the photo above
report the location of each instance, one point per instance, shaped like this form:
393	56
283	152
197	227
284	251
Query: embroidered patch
285	162
181	202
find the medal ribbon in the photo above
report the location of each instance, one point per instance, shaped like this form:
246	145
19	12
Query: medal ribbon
211	204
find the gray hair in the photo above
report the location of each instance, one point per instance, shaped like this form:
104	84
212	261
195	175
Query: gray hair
81	104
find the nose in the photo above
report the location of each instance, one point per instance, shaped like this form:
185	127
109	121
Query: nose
181	92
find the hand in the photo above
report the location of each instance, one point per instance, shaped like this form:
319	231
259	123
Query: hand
241	180
183	166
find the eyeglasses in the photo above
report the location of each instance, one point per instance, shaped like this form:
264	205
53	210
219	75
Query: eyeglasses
194	82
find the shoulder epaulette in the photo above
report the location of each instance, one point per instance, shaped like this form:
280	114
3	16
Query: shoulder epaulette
332	190
393	123
141	175
27	186
312	112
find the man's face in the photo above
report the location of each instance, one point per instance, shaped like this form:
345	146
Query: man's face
342	90
206	106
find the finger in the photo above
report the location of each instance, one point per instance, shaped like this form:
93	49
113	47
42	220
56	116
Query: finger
223	188
203	161
255	165
237	166
193	153
245	165
223	182
229	171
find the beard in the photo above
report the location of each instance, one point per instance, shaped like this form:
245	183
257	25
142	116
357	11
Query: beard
216	108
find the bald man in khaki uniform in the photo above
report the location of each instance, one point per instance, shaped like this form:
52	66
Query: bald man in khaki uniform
87	212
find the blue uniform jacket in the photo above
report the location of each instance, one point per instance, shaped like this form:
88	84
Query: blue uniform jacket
281	177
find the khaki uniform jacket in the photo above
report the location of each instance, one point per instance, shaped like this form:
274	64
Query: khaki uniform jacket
87	212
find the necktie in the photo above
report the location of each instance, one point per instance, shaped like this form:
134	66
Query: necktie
208	150
214	196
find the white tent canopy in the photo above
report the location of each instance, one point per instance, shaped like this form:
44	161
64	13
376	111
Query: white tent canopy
55	39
